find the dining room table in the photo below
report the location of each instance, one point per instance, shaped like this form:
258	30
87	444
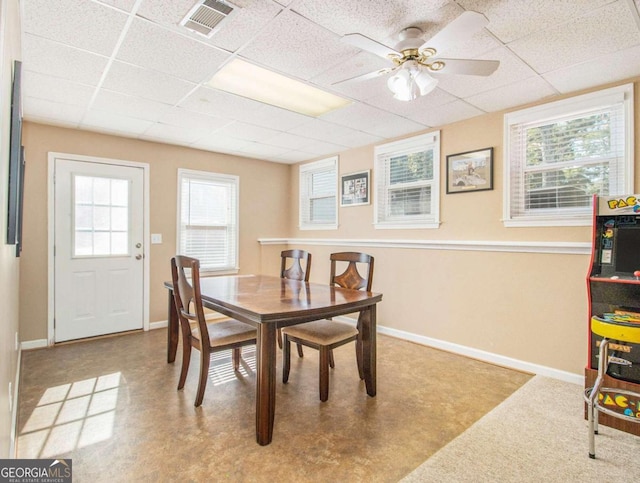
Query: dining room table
268	303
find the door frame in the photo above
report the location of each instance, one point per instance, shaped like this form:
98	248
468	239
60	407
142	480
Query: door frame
52	156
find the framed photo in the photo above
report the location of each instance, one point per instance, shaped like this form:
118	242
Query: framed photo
470	171
354	189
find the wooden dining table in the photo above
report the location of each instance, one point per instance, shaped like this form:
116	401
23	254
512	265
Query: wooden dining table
268	303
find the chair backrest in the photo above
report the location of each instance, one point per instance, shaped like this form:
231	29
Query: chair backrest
351	277
295	271
187	295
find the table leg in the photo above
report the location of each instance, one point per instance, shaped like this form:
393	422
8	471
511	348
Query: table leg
265	382
172	329
367	323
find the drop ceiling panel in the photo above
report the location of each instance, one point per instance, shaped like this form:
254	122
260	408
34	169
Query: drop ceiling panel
130	106
286	140
236	30
600	70
62	61
183	117
126	5
453	112
114	123
163	50
82	24
137	81
174	134
246	131
51	112
514	19
580	39
221	104
414	109
512	95
275	118
295	46
57	90
376	19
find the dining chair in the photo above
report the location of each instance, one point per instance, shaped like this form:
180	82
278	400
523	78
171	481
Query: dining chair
326	335
207	337
291	268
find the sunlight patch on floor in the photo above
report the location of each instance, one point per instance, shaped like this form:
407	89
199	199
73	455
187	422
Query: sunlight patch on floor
71	416
221	367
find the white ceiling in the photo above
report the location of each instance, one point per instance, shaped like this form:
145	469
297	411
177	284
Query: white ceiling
126	67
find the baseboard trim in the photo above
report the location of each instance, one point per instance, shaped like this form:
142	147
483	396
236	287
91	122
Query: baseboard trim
34	344
13	447
478	354
160	324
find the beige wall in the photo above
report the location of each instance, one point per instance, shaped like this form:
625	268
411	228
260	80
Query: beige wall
264	207
531	307
9	264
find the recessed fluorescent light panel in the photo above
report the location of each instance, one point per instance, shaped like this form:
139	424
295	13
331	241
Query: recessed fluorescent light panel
262	85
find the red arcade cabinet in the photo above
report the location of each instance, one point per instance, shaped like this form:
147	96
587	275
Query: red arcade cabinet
613	287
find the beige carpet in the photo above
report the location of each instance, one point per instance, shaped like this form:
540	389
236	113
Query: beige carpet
536	435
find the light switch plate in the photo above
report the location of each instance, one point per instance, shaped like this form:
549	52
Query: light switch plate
156	238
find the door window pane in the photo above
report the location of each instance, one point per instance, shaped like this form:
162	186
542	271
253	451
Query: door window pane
101	216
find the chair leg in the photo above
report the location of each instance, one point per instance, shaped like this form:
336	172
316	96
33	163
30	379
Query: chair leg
205	358
279	332
360	357
300	353
186	358
286	358
236	354
332	364
324	374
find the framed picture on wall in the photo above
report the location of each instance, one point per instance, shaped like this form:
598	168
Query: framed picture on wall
354	189
470	171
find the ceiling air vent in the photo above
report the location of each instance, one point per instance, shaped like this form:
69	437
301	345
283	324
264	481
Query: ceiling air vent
205	17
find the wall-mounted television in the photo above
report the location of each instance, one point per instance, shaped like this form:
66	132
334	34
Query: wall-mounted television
16	163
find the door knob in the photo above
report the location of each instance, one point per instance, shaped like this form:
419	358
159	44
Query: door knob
138	257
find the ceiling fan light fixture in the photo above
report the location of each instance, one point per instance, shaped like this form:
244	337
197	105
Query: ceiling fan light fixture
411	82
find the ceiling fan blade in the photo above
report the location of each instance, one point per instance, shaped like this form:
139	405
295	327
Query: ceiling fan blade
467	66
370	75
458	30
370	45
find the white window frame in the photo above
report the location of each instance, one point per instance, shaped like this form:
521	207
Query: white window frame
423	142
231	180
559	110
306	173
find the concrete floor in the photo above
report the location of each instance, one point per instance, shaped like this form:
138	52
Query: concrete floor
111	405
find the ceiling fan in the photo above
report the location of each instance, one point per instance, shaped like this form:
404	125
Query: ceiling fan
415	60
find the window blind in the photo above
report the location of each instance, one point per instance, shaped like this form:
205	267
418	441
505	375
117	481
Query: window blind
208	225
559	157
318	199
407	179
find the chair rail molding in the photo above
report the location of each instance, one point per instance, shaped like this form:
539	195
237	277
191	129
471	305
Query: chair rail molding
553	247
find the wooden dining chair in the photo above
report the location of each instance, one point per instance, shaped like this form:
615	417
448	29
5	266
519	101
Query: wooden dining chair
291	267
206	337
326	335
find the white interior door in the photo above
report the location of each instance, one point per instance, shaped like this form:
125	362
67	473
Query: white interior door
99	249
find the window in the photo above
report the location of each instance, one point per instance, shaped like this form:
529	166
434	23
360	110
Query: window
407	180
208	219
101	216
559	155
318	198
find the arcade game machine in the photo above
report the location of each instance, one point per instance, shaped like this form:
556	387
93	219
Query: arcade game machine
613	286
